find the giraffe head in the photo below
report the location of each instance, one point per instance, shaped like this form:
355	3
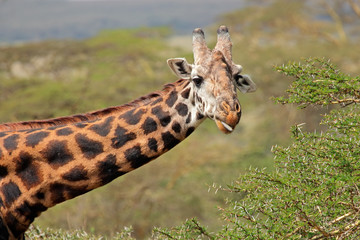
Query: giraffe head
214	77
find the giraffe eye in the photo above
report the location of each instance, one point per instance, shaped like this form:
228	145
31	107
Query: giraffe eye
198	80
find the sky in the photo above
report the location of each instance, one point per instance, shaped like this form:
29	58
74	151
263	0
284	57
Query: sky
33	20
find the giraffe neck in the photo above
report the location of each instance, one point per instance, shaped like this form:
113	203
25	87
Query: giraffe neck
41	167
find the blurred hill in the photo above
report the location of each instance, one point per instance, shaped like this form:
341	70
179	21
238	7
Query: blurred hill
34	20
55	78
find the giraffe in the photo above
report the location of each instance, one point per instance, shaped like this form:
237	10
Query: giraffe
46	162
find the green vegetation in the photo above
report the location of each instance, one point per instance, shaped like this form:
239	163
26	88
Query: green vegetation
313	193
55	78
50	234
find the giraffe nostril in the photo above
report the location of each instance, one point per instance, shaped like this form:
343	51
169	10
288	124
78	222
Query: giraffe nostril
237	107
226	107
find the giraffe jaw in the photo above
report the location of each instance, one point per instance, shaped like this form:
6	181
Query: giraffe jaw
224	127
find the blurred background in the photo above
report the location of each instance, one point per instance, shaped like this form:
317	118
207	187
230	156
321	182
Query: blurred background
61	57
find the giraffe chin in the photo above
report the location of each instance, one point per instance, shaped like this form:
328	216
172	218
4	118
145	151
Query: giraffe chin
225	128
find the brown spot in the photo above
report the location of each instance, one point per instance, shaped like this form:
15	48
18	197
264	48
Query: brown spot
57	193
189	131
89	147
131	117
64	131
188	119
176	127
152	144
26	170
185	94
169	140
61	192
103	129
108	169
57	153
11	192
149	125
182	109
78	173
121	137
170	101
30	211
3	172
160	99
163	117
135	157
11	142
35	138
40	195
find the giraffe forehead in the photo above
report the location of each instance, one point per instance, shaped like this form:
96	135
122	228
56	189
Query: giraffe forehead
215	65
218	76
220	64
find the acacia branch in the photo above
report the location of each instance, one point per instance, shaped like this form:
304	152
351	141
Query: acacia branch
312	223
346	101
293	232
201	229
350	227
340	218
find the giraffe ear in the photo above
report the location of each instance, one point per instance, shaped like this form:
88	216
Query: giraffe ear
180	67
244	83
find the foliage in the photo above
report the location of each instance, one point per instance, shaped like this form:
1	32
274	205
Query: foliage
314	191
191	229
38	233
320	83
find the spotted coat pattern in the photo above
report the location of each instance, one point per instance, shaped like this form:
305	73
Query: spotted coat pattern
42	165
46	162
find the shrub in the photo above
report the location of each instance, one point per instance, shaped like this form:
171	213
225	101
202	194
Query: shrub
314	191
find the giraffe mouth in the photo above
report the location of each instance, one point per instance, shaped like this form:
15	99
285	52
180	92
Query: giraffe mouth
230	129
224	127
227	124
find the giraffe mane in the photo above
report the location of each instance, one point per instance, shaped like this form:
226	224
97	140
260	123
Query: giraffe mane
90	116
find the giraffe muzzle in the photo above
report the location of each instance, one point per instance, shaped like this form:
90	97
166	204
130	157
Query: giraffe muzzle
230	129
229	118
